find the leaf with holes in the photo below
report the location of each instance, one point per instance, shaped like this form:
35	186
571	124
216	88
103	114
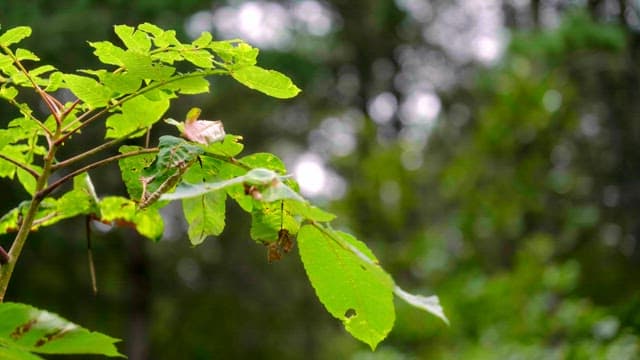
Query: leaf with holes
351	287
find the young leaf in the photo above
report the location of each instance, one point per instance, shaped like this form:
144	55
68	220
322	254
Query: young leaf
14	35
133	40
357	292
88	90
26	329
137	114
269	82
108	53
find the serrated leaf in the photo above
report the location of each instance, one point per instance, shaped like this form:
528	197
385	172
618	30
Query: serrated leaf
136	114
88	90
357	292
269	82
133	40
15	35
205	215
27	329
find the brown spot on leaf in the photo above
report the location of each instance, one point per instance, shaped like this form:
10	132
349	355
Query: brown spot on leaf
19	331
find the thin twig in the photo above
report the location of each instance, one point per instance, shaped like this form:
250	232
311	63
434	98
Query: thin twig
24	167
46	191
90	152
45	97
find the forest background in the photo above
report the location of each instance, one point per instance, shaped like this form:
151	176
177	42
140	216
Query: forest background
486	150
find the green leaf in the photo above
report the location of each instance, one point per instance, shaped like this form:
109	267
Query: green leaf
199	58
55	81
203	40
133	40
124	212
88	90
131	169
81	200
186	190
230	146
151	29
136	114
24	54
189	85
269	82
16	354
205	215
143	66
108	53
264	160
122	83
235	53
356	291
310	212
24	328
15	35
28	182
268	219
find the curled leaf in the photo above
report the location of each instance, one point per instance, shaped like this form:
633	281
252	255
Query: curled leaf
204	131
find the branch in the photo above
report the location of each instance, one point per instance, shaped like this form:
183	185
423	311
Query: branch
21	165
48	99
46	191
90	152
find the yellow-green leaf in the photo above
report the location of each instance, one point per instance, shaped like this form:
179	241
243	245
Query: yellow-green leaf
269	82
350	286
